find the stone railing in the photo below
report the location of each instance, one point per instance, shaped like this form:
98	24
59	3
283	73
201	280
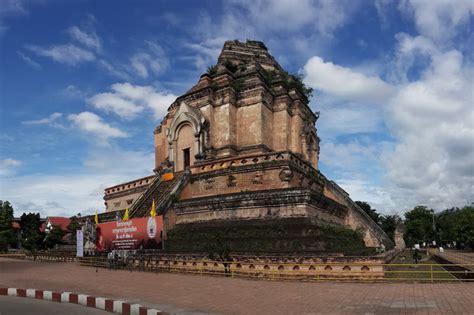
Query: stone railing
368	220
51	257
12	255
135	184
254	159
165	191
266	267
145	195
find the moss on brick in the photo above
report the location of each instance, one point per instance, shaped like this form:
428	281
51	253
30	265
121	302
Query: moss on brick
270	236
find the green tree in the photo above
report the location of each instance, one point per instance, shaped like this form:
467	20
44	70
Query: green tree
73	227
446	223
54	237
465	228
7	233
389	224
31	236
419	225
219	250
369	210
456	225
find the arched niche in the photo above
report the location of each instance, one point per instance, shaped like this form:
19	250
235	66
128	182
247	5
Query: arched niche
310	144
184	150
187	135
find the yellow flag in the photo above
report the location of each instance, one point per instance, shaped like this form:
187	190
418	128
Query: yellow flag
153	209
125	215
96	218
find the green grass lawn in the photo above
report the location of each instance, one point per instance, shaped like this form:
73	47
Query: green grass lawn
420	271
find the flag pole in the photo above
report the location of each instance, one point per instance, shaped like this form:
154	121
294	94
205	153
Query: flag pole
96	220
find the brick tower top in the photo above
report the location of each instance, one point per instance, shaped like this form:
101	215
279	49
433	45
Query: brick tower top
246	53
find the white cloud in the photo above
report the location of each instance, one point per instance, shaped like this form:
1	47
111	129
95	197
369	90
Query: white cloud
429	113
68	54
156	101
8	166
139	63
345	83
81	190
206	51
10	8
73	92
440	20
129	163
433	163
114	70
345	118
6	138
289	28
149	61
29	61
72	193
84	45
345	158
93	124
129	100
50	120
375	195
90	40
410	52
324	16
382	7
111	102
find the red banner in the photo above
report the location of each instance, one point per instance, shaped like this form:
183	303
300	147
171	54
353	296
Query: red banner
140	233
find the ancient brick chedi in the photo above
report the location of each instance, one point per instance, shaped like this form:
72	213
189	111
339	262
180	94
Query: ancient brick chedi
244	149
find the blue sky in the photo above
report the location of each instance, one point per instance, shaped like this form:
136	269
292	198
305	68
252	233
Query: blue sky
84	83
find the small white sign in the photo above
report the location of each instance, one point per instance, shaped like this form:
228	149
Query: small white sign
151	227
417	246
79	243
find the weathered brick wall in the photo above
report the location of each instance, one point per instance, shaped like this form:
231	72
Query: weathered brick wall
374	236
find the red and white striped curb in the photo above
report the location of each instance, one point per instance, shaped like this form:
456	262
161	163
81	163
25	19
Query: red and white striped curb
108	305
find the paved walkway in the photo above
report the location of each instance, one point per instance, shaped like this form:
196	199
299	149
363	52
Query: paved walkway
457	257
179	293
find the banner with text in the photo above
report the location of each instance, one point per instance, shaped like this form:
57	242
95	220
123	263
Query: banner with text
140	233
79	243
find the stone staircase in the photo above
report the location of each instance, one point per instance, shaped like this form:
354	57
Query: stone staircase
163	192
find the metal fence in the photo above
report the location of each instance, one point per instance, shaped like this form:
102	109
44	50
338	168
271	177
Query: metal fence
292	271
12	255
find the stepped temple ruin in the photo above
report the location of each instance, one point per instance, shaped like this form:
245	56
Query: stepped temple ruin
243	150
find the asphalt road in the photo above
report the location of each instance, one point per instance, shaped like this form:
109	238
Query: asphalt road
26	306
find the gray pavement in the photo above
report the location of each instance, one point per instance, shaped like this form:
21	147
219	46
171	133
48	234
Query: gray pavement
25	306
